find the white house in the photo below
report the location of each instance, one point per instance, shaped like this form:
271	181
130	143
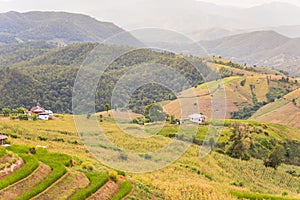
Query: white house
197	118
43	116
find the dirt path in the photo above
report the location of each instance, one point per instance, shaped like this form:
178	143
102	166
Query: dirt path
108	190
71	182
26	184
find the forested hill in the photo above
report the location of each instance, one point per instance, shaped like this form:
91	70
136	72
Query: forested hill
60	27
38	72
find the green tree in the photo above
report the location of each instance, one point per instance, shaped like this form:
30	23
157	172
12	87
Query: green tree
155	113
21	110
240	142
5	112
107	107
275	158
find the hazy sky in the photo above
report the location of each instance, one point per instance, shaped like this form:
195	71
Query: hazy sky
89	6
121	12
249	3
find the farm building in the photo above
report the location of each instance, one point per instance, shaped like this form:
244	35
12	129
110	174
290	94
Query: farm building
197	118
3	138
41	112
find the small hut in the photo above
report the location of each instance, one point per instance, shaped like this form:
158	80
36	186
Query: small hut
3	138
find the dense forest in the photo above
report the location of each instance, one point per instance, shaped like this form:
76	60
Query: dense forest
49	73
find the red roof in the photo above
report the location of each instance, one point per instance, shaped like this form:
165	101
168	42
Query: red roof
3	137
37	109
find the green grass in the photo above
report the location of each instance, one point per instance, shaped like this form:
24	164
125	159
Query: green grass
2	151
31	163
97	180
126	187
256	196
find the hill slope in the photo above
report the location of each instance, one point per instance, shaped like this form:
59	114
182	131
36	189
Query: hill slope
57	26
247	89
284	111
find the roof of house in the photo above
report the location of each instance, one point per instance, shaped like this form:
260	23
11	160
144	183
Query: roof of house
196	116
3	137
37	109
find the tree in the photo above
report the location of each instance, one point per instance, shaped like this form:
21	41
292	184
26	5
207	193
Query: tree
107	107
5	112
155	113
21	110
240	142
275	158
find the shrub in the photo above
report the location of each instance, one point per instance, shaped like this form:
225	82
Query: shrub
285	193
237	183
113	175
42	138
32	150
23	117
58	140
87	166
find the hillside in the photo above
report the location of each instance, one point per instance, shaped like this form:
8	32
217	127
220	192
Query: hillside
247	89
60	27
264	48
216	176
49	75
283	111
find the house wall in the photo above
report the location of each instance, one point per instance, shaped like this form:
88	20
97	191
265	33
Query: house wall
43	117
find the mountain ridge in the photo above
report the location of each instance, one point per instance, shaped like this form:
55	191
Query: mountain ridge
61	27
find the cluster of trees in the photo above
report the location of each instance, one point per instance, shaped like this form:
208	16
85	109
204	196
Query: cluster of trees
243	145
17	113
50	75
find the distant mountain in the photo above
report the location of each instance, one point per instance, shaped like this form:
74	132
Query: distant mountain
191	16
58	27
266	48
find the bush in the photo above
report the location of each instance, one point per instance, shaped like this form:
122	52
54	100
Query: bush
23	117
126	187
87	166
237	183
42	138
113	175
32	150
285	193
58	140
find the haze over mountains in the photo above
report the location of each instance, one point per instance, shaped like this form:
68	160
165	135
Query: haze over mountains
197	18
58	27
265	35
266	48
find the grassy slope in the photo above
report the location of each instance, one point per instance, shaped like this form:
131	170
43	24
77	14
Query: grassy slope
282	111
237	96
192	177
